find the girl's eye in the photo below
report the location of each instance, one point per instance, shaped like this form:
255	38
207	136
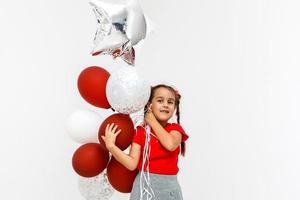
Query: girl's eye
171	102
160	101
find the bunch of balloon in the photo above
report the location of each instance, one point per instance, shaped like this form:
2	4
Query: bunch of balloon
121	25
126	92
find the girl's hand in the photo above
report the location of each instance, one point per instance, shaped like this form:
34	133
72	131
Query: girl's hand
149	117
111	134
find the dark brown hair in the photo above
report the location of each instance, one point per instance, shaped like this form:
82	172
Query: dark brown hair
177	102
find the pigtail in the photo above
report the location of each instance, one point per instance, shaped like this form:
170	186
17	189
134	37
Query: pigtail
182	144
177	107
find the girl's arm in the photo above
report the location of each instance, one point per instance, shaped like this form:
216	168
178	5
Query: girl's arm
171	140
129	161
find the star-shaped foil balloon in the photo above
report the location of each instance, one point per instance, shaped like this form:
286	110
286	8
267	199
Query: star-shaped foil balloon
121	25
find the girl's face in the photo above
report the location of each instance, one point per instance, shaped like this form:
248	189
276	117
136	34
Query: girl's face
163	104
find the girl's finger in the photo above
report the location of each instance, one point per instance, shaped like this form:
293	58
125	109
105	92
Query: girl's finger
118	132
106	128
111	127
115	128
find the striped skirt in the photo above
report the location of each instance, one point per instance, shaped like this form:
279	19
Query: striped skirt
163	187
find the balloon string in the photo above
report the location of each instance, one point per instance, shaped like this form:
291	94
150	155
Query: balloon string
146	189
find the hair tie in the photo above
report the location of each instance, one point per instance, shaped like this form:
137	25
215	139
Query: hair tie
177	93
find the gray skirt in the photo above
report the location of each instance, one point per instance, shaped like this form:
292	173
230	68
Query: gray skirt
163	187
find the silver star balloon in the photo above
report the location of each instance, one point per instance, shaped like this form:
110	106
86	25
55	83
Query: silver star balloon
121	25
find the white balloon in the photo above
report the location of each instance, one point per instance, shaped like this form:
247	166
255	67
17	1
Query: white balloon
83	126
95	188
126	91
137	118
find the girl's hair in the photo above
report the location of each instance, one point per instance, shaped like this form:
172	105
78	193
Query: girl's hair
177	102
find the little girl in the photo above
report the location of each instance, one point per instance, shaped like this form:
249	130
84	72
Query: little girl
155	148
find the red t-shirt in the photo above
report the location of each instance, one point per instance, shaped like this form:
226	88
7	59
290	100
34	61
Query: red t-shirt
161	161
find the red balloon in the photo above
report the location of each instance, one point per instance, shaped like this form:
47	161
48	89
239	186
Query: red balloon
124	123
92	86
120	177
90	160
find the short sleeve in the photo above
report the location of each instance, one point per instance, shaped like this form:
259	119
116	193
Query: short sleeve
178	127
138	136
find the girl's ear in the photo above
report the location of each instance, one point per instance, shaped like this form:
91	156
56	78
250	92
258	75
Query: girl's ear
149	104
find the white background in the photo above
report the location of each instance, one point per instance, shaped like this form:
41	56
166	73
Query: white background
236	64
